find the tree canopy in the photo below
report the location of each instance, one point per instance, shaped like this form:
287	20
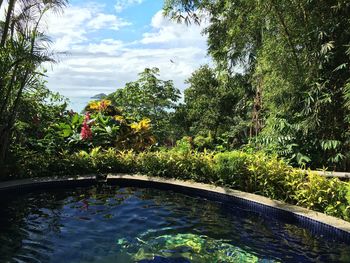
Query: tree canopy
280	81
295	55
149	97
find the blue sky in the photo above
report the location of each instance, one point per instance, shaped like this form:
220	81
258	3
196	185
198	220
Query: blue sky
137	12
106	43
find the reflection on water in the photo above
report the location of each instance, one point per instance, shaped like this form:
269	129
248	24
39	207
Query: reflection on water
109	224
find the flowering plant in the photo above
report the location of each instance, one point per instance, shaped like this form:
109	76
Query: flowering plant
101	106
86	133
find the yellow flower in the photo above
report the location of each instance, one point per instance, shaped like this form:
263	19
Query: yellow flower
118	118
103	104
134	126
144	124
94	105
99	105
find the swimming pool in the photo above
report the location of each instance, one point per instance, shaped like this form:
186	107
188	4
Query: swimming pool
107	223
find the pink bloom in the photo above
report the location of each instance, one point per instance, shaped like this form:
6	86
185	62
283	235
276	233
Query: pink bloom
86	133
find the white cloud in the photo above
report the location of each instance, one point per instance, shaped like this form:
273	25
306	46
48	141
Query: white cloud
90	72
107	21
120	5
106	46
172	33
72	27
104	65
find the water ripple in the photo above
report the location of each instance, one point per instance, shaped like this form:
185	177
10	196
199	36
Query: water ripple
110	224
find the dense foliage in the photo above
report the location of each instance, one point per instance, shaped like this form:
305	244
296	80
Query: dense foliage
149	97
102	125
23	49
294	56
215	107
277	95
255	173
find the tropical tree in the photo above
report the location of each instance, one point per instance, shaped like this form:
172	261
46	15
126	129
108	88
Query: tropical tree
295	54
23	48
215	105
149	97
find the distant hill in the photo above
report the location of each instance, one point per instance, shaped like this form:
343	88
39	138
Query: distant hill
99	96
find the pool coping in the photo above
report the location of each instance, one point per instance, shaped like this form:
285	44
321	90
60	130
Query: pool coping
301	212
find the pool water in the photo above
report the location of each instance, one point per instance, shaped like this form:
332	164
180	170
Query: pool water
126	224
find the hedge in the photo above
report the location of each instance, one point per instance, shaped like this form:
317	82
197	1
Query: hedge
251	172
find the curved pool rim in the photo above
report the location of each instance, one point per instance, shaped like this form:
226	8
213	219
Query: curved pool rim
316	222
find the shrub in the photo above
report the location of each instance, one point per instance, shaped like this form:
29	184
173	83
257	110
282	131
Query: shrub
322	194
251	172
267	176
231	169
172	164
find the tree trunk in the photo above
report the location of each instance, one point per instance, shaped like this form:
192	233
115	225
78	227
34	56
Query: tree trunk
288	36
11	7
8	94
4	143
6	132
257	123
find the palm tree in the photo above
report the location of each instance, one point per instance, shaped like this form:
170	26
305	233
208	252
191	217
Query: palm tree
23	48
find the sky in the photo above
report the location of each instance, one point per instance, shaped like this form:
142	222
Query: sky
102	45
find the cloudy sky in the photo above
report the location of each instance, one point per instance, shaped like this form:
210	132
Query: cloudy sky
107	42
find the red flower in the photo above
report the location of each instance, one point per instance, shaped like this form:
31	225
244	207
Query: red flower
86	133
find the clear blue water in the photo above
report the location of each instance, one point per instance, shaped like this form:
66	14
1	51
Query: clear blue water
78	104
111	224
